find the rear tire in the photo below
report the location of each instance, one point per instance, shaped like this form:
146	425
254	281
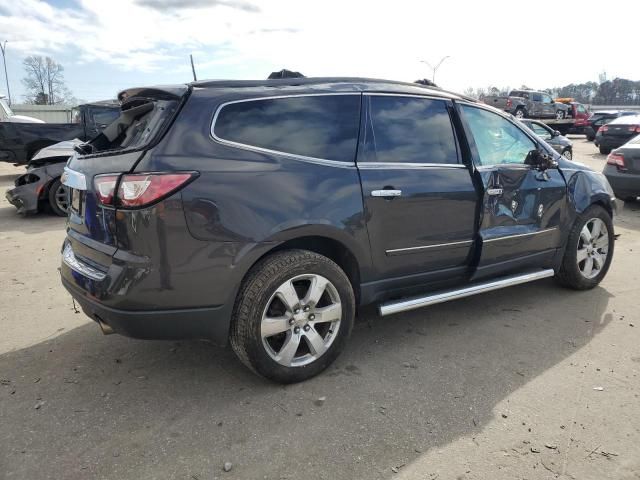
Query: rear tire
568	154
520	113
589	250
560	114
293	315
58	197
604	150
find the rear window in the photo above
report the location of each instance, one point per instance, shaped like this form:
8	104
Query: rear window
318	126
138	122
409	130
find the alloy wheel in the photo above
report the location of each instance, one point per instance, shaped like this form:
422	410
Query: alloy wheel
62	198
593	248
301	320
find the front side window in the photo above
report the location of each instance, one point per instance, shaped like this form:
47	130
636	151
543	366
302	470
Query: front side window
546	99
319	126
498	140
409	130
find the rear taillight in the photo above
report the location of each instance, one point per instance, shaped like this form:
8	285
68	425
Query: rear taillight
634	128
603	128
509	103
616	159
140	189
105	187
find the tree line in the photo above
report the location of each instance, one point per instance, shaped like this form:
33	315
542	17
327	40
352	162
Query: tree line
44	82
619	91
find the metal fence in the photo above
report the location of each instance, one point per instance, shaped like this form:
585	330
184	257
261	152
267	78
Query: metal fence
47	113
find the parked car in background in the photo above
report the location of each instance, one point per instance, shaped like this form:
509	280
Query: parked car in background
262	212
40	188
617	132
20	141
560	143
528	104
602	117
7	115
623	170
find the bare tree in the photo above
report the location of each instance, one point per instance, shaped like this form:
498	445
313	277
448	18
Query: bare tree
44	81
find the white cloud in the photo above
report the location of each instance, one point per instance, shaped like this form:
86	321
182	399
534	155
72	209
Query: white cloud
489	42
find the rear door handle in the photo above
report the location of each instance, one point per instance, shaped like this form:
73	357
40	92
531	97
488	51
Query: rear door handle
386	193
494	191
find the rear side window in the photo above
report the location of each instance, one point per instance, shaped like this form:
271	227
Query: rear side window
409	130
319	126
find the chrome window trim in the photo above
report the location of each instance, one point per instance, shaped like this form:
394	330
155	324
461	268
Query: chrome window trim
406	165
409	95
508	166
70	260
293	156
517	235
400	251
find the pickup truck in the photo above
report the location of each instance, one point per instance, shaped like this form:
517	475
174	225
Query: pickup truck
528	104
19	141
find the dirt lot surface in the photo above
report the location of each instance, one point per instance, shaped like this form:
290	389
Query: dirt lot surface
530	382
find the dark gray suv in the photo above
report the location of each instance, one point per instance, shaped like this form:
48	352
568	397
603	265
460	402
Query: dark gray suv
265	212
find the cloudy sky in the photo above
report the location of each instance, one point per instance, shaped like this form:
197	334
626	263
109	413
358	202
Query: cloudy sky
108	45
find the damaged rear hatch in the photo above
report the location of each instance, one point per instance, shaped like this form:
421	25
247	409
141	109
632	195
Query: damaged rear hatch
92	176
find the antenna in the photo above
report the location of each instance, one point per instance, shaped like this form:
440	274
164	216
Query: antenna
193	69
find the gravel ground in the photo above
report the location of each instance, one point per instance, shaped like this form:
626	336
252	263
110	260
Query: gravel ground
530	382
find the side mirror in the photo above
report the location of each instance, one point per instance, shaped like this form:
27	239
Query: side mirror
556	133
540	160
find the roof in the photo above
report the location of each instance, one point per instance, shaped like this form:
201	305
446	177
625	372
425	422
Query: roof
355	83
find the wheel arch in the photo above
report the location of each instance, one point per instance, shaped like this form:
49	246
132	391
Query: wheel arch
334	249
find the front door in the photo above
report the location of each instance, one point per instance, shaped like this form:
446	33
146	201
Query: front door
419	197
522	207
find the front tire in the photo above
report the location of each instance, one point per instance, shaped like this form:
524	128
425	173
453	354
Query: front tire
560	114
293	316
58	197
589	250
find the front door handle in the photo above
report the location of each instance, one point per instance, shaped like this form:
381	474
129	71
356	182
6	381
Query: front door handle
494	191
386	193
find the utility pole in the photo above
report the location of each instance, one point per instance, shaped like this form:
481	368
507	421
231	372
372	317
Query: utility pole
193	69
435	69
3	47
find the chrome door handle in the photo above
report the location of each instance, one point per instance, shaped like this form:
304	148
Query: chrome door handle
386	193
494	191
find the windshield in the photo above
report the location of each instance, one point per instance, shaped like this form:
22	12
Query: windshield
6	108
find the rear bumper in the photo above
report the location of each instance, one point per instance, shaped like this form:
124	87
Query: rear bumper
611	141
623	184
210	323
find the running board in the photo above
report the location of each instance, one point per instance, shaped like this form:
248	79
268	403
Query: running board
397	306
